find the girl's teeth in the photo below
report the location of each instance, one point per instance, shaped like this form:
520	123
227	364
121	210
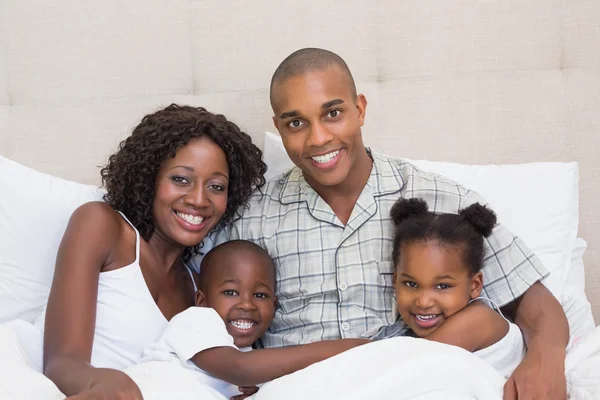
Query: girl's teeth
245	325
426	317
194	220
326	157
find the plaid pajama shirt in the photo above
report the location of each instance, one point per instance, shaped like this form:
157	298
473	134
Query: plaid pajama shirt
336	281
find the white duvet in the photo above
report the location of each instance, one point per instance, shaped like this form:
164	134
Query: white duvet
400	368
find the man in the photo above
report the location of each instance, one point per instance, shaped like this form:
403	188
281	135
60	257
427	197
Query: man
326	224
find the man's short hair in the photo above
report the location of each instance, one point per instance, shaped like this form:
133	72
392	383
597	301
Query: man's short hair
307	60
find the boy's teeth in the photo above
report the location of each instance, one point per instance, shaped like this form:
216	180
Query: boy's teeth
192	219
241	324
326	157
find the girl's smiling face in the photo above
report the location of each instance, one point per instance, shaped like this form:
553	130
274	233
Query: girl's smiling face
432	283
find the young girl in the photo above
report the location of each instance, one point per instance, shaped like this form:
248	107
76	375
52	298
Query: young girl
438	282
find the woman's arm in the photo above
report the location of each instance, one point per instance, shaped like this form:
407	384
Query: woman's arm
86	247
263	365
475	327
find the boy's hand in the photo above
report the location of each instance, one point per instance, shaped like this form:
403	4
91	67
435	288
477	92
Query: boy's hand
247	391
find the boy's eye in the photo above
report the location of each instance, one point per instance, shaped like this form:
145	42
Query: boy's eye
261	295
229	292
410	284
296	123
443	286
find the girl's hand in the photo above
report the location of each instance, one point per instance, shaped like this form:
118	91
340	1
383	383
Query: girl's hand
110	384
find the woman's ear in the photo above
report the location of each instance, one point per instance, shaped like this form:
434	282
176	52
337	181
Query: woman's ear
200	299
476	285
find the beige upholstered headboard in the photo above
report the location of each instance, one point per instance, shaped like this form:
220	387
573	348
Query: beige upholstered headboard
499	81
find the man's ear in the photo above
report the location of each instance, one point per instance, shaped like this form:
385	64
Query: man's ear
200	299
275	123
361	105
476	285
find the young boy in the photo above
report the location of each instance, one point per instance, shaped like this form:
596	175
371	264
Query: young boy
235	304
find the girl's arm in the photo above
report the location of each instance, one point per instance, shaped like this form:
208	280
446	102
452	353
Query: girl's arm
85	248
263	365
475	327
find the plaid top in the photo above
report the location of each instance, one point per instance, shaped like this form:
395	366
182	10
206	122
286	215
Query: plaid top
336	281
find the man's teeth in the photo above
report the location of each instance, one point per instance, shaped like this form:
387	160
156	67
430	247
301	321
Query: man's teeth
426	317
326	157
244	325
192	219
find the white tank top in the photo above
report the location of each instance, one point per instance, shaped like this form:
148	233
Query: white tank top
127	318
506	354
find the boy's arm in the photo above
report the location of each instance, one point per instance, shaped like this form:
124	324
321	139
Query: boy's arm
475	327
263	365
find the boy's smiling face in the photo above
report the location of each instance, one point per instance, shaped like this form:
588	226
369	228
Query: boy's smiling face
240	287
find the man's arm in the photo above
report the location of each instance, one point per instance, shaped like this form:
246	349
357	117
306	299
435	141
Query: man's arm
258	366
546	332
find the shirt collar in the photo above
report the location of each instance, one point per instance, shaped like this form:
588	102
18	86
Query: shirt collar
385	178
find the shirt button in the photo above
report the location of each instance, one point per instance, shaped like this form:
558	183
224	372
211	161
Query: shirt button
345	326
343	286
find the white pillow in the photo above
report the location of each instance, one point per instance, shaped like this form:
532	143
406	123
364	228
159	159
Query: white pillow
539	202
34	211
573	298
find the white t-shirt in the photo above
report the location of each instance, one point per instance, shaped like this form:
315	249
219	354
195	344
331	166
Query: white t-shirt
188	333
506	354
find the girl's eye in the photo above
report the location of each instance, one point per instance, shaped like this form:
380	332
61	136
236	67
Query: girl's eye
179	179
229	293
443	286
333	113
261	295
296	123
410	284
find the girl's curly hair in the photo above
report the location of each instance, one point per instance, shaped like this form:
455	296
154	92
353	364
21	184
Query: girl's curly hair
130	175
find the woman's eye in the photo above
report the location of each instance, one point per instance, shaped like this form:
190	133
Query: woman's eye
179	179
296	123
218	188
410	284
229	292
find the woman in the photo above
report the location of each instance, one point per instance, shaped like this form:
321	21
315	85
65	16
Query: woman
120	271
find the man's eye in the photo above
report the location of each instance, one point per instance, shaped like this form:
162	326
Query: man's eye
333	113
296	123
410	284
229	292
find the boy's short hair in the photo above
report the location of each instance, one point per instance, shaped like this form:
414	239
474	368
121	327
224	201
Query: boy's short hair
231	247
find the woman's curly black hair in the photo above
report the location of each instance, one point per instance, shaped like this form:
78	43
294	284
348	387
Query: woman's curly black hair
130	175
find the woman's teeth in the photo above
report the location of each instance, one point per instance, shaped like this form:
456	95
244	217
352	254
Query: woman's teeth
243	325
326	157
192	219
